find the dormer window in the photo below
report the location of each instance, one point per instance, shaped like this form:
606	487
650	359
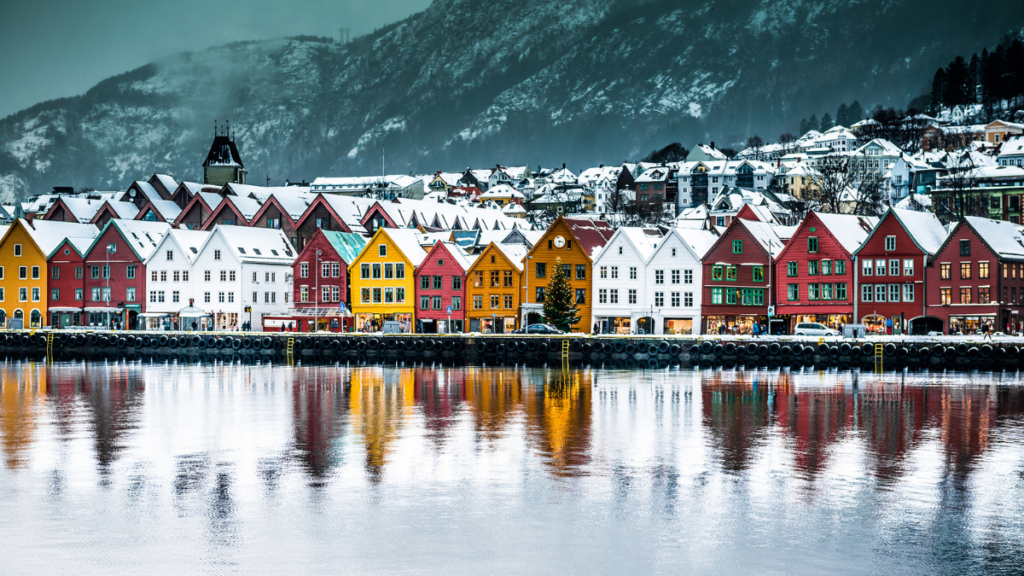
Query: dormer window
257	251
241	250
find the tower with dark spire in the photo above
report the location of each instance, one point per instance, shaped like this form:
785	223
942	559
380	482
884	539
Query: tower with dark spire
223	164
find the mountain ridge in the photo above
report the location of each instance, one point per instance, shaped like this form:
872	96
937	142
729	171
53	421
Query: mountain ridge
468	82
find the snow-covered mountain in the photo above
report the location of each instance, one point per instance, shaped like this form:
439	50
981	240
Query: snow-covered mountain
477	82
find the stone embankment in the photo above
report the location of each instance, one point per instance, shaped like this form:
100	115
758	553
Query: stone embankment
474	349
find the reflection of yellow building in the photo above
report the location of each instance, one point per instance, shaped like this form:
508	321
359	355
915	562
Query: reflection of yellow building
378	407
561	414
19	407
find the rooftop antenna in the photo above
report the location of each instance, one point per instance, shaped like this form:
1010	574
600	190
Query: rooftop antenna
215	128
227	127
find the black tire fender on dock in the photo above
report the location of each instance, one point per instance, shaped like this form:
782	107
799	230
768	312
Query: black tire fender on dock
268	342
499	349
718	350
751	348
361	346
950	352
844	349
833	351
652	350
247	342
730	349
93	339
448	343
867	349
924	352
962	349
986	351
277	344
774	348
480	347
1012	352
973	352
542	347
663	347
823	349
630	349
890	349
236	344
163	340
674	349
121	342
318	345
694	350
576	345
762	350
619	346
706	347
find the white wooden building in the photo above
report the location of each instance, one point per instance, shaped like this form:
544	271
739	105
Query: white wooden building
169	287
237	267
646	282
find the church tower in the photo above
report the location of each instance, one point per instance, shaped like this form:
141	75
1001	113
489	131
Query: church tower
223	164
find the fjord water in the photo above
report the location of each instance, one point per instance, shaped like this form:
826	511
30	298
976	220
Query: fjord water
165	469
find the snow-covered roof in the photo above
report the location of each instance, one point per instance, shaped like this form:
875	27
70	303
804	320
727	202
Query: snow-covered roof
514	252
849	230
124	210
142	235
212	199
770	236
82	209
188	241
256	245
48	234
408	242
645	240
461	257
168	182
700	241
168	209
924	227
1005	238
500	191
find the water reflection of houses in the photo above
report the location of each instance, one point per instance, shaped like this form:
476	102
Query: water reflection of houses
379	403
24	390
438	394
736	412
113	395
320	410
558	412
891	419
495	398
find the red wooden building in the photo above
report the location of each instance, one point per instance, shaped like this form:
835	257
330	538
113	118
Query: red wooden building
66	284
115	273
890	272
976	280
738	276
815	270
321	287
440	284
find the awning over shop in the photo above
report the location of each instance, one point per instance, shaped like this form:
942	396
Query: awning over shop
64	309
155	314
100	309
193	312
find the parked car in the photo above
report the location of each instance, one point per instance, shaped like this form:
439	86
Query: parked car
539	329
814	329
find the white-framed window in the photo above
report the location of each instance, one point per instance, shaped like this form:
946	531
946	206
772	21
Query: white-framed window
890	243
908	267
867	293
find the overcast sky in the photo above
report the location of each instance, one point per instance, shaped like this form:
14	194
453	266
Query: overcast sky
55	48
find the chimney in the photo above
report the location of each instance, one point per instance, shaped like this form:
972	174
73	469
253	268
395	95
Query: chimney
563	165
713	145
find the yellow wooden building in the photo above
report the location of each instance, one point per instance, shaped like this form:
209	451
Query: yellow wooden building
576	242
24	249
493	289
382	279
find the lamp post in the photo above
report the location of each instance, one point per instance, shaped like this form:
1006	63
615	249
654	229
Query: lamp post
316	297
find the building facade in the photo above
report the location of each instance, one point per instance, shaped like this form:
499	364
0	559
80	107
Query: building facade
494	289
441	290
383	280
321	286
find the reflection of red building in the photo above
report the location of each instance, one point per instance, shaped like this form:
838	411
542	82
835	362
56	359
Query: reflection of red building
320	414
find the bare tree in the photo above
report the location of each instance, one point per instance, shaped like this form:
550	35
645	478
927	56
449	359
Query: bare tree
836	175
959	188
788	141
870	199
755	143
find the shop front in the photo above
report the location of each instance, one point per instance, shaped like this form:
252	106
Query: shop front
374	322
678	326
104	317
834	321
492	324
157	321
64	317
735	325
614	325
972	324
876	324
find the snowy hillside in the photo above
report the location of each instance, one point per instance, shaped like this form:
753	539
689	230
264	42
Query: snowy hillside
469	82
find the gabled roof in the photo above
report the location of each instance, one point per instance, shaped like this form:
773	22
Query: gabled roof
924	229
79	245
223	152
591	234
514	253
644	240
700	241
82	209
849	230
407	241
347	210
254	245
771	238
141	236
246	208
49	234
188	241
347	244
168	183
1005	239
457	254
121	210
166	210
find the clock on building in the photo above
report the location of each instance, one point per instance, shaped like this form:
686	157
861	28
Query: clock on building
559	242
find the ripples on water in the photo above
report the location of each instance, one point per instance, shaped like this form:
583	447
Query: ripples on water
129	468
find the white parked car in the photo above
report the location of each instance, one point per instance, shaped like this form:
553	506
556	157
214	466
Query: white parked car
814	329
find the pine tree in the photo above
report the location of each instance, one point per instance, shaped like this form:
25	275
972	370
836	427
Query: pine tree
826	122
938	90
843	115
812	122
804	129
856	113
560	301
956	92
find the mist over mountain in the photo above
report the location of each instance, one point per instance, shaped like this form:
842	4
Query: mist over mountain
475	83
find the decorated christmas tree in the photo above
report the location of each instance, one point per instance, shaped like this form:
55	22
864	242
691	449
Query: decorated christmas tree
560	301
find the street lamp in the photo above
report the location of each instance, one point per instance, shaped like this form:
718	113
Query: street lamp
316	288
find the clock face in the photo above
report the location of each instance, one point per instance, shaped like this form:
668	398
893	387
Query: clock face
559	242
